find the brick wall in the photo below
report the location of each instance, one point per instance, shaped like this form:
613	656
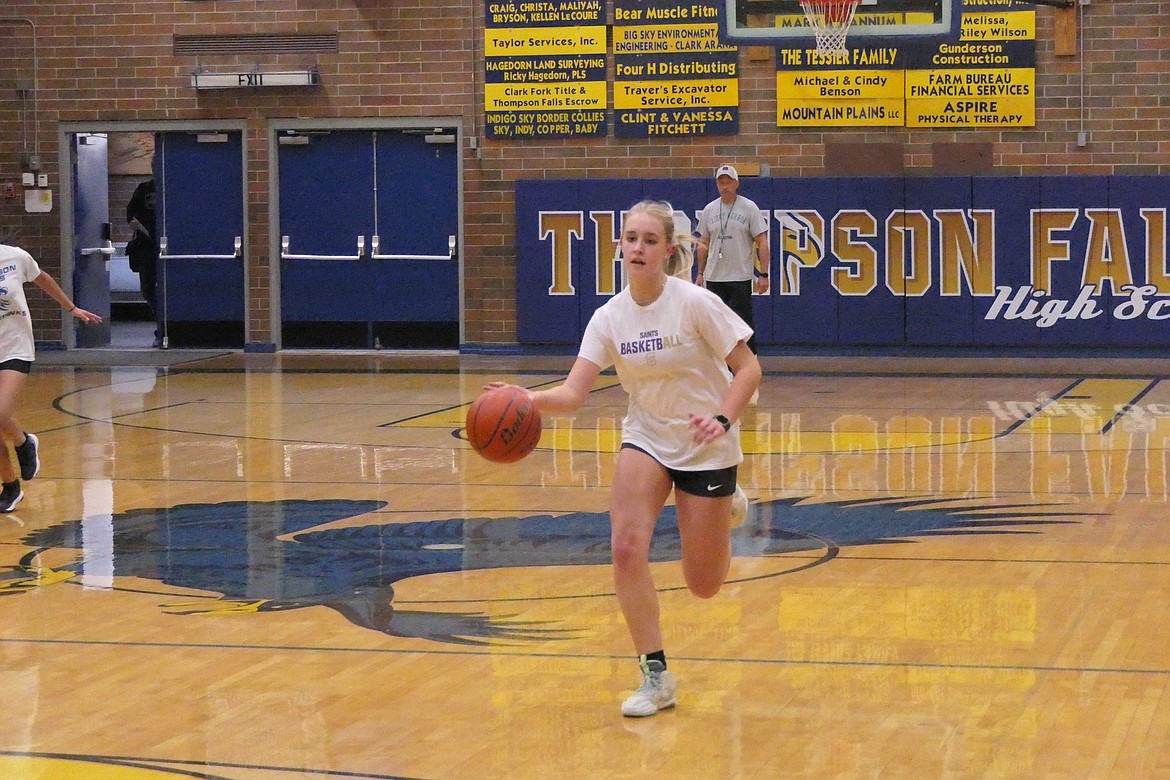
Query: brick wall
108	60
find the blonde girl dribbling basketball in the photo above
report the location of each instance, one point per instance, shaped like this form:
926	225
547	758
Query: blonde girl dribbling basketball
672	344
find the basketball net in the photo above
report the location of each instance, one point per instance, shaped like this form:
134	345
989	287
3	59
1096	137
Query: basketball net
830	20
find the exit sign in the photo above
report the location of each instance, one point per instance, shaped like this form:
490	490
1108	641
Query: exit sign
291	78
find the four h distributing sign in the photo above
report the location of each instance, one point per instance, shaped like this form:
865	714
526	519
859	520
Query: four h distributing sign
673	75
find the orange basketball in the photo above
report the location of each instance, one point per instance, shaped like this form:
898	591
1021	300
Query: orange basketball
503	425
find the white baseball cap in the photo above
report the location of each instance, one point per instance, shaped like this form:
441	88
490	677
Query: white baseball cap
726	170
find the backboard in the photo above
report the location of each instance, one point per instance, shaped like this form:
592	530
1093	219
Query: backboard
780	21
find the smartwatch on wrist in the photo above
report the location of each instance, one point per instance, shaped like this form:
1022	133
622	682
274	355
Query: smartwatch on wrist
722	420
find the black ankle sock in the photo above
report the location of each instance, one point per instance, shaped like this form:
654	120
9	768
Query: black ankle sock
659	655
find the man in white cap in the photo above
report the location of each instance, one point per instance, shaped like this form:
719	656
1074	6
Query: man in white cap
729	228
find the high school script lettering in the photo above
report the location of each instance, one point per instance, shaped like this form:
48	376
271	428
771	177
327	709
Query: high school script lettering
1027	303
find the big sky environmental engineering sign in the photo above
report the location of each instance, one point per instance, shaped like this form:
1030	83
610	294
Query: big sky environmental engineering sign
953	261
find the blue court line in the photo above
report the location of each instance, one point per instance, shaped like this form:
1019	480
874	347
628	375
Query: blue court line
1129	405
1028	417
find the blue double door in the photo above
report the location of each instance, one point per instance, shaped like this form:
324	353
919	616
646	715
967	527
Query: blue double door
368	225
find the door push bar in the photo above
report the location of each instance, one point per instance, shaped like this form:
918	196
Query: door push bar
375	241
284	253
162	252
107	249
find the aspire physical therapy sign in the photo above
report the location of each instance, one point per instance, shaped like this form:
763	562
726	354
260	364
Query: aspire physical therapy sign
948	261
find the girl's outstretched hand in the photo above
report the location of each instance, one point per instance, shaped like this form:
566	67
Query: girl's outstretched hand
88	317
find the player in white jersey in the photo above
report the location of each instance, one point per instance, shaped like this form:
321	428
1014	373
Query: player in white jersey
17	353
672	344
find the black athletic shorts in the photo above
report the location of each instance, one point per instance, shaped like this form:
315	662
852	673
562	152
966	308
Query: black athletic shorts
15	364
711	483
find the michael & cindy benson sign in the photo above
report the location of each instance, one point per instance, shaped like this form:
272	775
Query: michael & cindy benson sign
949	261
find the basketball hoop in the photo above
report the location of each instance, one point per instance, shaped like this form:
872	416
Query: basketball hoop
830	20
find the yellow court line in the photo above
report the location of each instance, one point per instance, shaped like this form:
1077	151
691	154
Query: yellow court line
768	442
1088	407
456	416
605	436
43	768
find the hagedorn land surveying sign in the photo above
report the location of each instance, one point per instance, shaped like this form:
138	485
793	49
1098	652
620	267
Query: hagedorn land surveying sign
544	69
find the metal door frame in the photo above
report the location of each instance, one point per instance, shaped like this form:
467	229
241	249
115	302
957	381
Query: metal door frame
275	126
65	133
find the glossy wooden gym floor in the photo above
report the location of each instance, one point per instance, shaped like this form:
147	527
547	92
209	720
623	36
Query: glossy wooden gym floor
257	567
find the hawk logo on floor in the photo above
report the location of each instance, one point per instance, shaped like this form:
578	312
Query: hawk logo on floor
265	556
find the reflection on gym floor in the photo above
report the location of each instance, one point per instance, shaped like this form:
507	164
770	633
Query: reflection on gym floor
293	565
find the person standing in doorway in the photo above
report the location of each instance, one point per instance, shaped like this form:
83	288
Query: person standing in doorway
143	249
732	233
17	352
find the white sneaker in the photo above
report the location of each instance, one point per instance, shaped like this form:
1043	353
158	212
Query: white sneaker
739	507
656	693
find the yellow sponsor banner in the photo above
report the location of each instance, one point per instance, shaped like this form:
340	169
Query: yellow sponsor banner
1004	111
539	41
544	97
840	113
695	93
1005	26
652	15
835	84
983	83
668	39
787	21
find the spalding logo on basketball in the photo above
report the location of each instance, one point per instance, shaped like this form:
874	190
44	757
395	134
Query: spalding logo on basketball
503	425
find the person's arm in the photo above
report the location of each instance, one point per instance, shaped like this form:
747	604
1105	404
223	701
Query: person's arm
764	261
568	396
54	291
132	209
746	371
701	250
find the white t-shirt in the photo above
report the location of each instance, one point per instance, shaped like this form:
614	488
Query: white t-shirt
731	232
670	358
16	333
